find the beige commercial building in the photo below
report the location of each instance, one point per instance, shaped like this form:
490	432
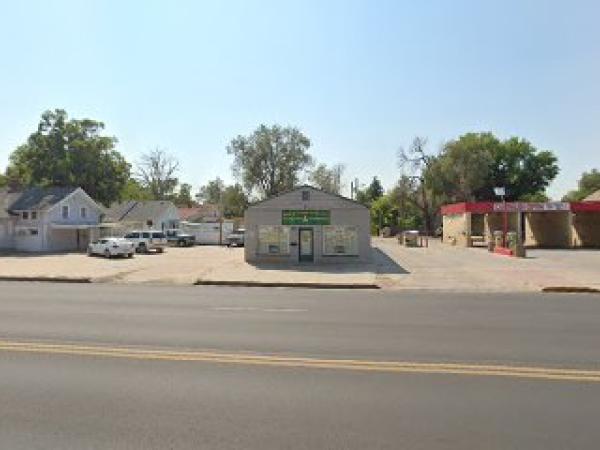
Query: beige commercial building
550	225
307	225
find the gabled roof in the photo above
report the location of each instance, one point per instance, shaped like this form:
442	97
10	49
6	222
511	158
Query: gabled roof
137	211
40	198
6	201
304	187
594	197
207	209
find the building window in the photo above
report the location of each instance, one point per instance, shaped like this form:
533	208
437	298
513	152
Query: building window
33	215
340	240
33	231
25	215
273	240
83	213
65	212
305	196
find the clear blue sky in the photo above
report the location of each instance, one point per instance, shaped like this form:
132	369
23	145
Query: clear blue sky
360	78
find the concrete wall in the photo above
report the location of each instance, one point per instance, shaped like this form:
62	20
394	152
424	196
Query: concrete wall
548	229
457	229
343	212
586	229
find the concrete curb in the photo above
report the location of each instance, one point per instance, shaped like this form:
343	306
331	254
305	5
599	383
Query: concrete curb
47	279
286	284
571	290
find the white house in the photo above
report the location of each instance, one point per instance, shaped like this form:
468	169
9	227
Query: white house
133	214
48	219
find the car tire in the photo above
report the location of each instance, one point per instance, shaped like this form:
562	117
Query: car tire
107	254
160	250
181	243
142	248
130	255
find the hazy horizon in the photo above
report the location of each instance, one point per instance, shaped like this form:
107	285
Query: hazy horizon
359	78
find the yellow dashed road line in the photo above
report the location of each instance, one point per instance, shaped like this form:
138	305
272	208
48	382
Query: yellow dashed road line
542	373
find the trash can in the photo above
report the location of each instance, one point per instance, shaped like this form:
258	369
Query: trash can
513	243
498	238
411	238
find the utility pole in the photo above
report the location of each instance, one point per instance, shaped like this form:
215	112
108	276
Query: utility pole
354	189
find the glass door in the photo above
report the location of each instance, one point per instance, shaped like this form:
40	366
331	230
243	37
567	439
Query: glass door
306	244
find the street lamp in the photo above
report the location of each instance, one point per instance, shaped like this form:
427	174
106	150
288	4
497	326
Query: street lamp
500	191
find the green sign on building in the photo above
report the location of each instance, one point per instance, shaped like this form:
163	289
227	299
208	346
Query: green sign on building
305	217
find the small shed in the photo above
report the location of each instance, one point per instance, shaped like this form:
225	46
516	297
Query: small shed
307	225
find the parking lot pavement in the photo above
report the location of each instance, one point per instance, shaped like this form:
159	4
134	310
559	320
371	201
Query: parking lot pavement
439	267
445	267
175	266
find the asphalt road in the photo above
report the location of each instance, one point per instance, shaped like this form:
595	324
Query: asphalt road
108	366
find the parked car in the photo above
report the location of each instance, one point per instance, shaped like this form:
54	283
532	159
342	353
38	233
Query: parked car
147	240
235	239
111	246
179	238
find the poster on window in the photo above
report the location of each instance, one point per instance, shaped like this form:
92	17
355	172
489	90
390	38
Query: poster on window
340	240
273	240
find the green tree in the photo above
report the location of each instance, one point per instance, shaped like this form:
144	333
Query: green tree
413	213
133	190
372	192
416	188
65	152
211	192
234	201
463	169
588	184
469	168
3	181
270	160
327	179
183	198
156	172
519	166
384	213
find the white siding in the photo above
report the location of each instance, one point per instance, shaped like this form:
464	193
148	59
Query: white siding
7	240
344	212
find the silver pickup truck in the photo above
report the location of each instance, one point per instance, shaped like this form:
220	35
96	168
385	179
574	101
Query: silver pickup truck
235	239
146	240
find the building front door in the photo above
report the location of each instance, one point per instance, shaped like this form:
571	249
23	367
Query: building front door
306	244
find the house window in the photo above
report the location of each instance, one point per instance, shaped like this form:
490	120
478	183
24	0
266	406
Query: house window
33	231
65	212
339	240
25	215
83	213
33	215
305	196
273	240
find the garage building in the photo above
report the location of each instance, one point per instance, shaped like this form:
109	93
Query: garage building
542	225
307	225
